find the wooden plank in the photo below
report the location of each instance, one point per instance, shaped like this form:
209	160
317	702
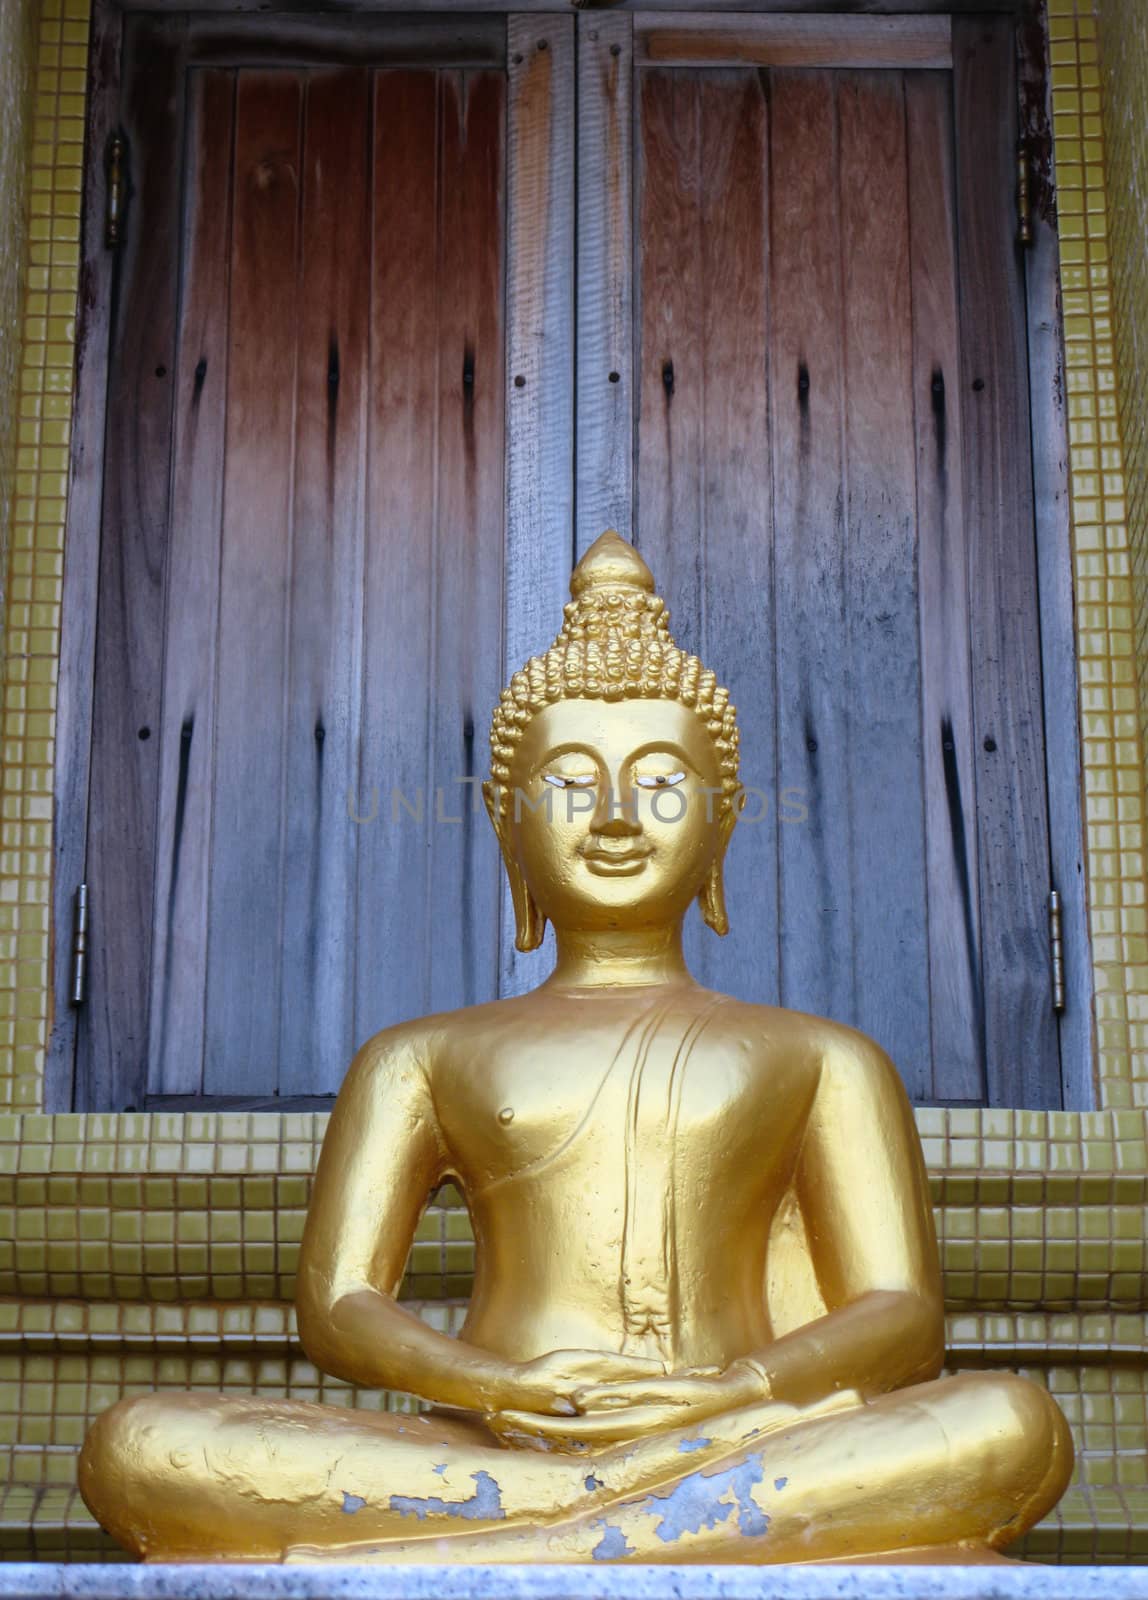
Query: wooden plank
392	928
815	890
1022	1058
112	1038
737	640
704	501
604	493
552	7
540	364
282	1105
82	543
319	40
463	872
185	731
954	940
890	926
325	624
247	866
670	354
1047	389
702	38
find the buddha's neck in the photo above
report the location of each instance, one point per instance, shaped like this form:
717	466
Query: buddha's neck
617	958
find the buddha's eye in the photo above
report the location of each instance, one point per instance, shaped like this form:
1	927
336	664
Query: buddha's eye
658	780
560	780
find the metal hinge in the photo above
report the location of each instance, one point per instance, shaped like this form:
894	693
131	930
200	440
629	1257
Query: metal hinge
79	946
1023	195
1056	950
117	168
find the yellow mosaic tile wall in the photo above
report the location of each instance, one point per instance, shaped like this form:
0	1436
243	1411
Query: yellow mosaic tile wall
1107	640
17	51
1113	772
36	549
1124	62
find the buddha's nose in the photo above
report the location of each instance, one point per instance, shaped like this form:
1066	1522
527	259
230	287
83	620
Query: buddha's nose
616	814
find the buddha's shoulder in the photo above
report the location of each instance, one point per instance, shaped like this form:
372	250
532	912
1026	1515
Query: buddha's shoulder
775	1030
424	1040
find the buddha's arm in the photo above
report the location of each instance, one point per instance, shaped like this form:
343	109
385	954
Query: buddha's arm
381	1159
863	1192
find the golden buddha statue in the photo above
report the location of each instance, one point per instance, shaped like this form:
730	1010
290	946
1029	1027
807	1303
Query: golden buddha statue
707	1322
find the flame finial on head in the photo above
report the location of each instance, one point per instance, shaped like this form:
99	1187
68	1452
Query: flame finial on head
614	644
611	563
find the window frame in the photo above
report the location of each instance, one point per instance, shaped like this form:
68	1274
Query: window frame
571	518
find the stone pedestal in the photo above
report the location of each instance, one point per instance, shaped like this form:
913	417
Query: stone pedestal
58	1581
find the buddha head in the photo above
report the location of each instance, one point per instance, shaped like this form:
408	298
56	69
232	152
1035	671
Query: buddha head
614	765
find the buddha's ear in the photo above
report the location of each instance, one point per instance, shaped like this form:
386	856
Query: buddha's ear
529	923
711	898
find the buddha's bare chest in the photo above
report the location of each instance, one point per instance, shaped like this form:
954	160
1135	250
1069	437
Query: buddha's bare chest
680	1092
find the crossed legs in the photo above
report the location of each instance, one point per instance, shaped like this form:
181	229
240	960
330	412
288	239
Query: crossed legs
972	1461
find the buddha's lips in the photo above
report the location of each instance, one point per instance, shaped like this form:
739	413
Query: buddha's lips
615	862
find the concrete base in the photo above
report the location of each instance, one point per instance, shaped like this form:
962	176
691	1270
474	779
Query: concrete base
60	1581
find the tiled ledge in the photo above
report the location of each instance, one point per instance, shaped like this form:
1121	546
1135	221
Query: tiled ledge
1035	1211
268	1330
1028	1156
63	1363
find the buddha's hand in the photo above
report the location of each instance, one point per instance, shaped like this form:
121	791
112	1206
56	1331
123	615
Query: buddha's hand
548	1384
634	1408
679	1398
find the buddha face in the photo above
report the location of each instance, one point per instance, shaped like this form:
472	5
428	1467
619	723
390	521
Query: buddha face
613	819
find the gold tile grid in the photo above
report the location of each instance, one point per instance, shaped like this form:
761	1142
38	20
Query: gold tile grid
18	39
1106	641
1051	1210
1123	28
62	1364
1107	637
36	545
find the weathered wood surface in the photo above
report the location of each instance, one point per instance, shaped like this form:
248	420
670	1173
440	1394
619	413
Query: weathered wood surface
337	491
807	378
670	372
737	616
1047	388
867	679
755	413
427	887
883	676
704	480
539	365
245	905
462	883
112	1038
317	39
392	936
82	567
1022	1054
845	930
703	39
185	731
955	977
604	466
324	661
